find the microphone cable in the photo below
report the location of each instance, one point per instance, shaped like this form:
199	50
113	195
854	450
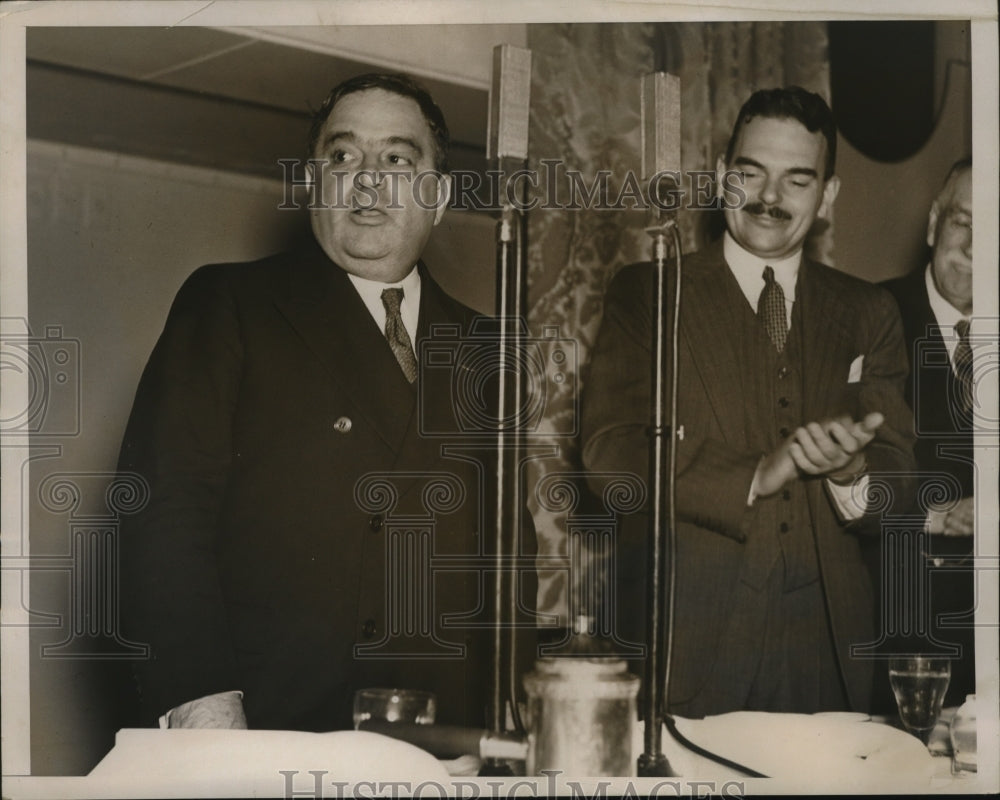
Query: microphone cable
681	739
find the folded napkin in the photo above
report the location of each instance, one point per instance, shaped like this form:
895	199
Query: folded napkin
259	763
821	752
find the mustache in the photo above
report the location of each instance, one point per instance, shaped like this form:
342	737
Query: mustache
758	209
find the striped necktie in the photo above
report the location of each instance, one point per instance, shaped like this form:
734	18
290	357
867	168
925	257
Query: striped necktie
963	365
395	333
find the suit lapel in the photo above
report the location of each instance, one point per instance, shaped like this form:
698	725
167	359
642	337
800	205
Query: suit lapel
323	307
929	360
707	322
918	317
825	324
437	401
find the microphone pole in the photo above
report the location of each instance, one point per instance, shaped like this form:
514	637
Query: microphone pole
660	106
507	150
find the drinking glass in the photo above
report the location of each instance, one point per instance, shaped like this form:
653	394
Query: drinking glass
963	738
394	705
919	683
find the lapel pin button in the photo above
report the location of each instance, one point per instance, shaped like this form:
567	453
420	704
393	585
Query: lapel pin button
343	425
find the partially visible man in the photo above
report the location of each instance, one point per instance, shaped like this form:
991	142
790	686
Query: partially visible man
790	399
936	306
270	578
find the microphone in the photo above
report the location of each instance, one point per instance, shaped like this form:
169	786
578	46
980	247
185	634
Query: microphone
660	107
510	95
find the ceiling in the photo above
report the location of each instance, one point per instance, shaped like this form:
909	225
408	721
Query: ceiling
222	98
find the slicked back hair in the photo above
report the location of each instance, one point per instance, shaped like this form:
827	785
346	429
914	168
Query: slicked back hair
791	102
402	85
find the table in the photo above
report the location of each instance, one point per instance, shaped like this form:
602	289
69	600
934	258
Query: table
805	754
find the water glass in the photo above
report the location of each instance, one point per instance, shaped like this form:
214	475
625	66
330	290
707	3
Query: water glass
394	705
919	683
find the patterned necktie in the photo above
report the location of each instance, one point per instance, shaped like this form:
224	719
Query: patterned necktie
771	310
963	364
395	332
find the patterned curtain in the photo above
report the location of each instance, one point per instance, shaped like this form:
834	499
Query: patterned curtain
585	114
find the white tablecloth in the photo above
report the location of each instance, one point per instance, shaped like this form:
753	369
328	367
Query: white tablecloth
829	753
818	754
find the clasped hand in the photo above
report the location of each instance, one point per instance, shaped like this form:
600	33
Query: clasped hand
833	448
961	519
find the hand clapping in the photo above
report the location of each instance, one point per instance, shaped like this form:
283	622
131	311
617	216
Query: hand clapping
833	447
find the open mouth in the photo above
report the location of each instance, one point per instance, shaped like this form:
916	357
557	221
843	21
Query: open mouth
368	215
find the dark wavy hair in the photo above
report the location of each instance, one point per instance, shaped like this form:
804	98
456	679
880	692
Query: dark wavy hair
791	102
402	85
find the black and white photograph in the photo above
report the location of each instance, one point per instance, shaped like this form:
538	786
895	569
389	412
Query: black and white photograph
499	400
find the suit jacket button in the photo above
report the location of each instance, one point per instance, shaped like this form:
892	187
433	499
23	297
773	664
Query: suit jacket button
375	523
368	629
783	527
782	371
343	425
783	402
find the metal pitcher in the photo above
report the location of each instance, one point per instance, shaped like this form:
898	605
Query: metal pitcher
581	713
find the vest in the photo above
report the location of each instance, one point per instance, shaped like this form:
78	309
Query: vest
772	395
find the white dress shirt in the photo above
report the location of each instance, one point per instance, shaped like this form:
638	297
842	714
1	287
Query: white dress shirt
409	309
748	270
946	315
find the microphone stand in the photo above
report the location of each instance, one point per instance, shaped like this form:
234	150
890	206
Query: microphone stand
511	304
507	149
662	552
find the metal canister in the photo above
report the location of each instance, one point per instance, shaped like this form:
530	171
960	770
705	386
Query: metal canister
581	712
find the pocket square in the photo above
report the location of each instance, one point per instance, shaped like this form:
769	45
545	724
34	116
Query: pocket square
854	373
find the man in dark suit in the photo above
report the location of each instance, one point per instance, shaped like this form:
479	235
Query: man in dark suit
936	306
790	402
286	555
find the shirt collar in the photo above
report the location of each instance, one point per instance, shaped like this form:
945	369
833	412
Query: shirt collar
371	294
366	286
748	269
944	312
